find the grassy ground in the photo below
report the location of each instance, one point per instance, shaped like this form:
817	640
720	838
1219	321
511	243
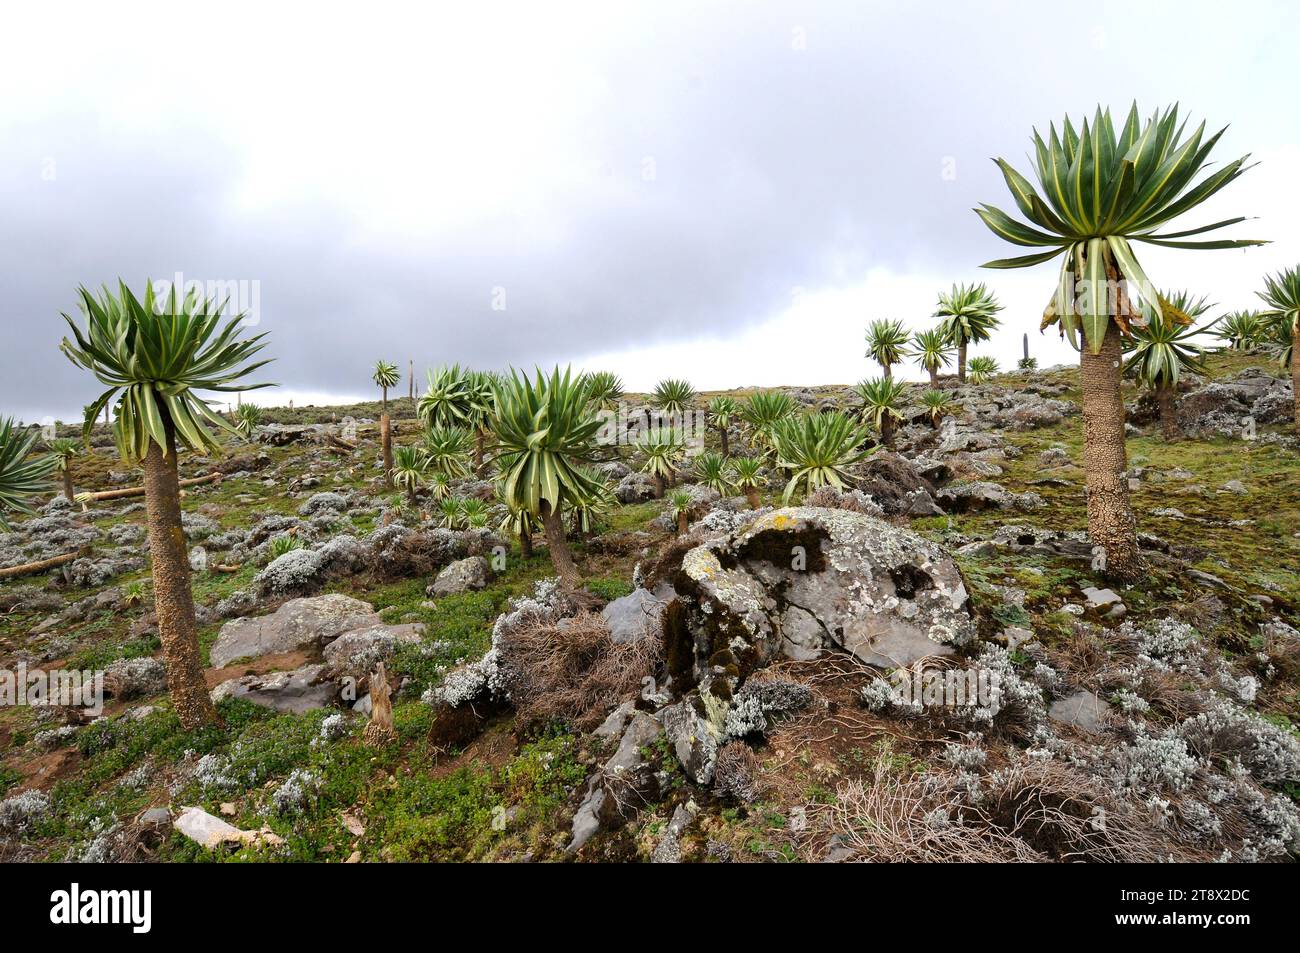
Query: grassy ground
506	797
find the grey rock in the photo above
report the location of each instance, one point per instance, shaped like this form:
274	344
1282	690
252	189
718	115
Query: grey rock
669	848
972	497
1275	407
1100	598
802	579
1206	578
635	616
464	575
296	691
635	488
210	831
622	781
299	623
616	721
1082	710
156	817
694	739
355	654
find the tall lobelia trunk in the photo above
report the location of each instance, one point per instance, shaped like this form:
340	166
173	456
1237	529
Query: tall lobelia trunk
525	543
173	596
658	479
887	430
888	372
1168	413
553	527
722	436
67	483
961	362
934	377
751	494
1111	524
683	523
386	440
1295	370
480	445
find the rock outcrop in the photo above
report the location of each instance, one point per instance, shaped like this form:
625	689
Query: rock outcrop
803	579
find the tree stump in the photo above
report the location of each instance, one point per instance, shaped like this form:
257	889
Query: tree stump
380	730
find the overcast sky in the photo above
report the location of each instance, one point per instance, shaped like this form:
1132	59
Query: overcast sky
725	192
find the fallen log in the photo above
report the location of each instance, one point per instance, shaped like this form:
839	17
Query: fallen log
27	569
84	498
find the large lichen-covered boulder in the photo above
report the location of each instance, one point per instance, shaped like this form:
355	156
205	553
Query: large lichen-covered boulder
801	580
299	623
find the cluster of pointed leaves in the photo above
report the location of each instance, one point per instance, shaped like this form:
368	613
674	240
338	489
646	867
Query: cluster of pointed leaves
681	502
722	410
544	432
463	512
516	519
604	388
157	354
1160	348
818	448
887	341
474	513
20	477
712	471
1101	191
663	448
932	348
247	417
673	396
1241	329
1280	341
762	412
410	463
937	404
446	448
386	374
452	398
64	449
746	471
967	313
1281	294
594	504
881	397
981	369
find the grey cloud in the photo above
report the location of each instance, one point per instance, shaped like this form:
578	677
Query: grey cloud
774	168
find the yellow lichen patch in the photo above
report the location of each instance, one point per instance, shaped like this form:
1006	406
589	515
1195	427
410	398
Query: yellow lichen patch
780	520
701	564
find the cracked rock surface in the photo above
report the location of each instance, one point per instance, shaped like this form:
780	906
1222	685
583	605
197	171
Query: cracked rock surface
800	580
